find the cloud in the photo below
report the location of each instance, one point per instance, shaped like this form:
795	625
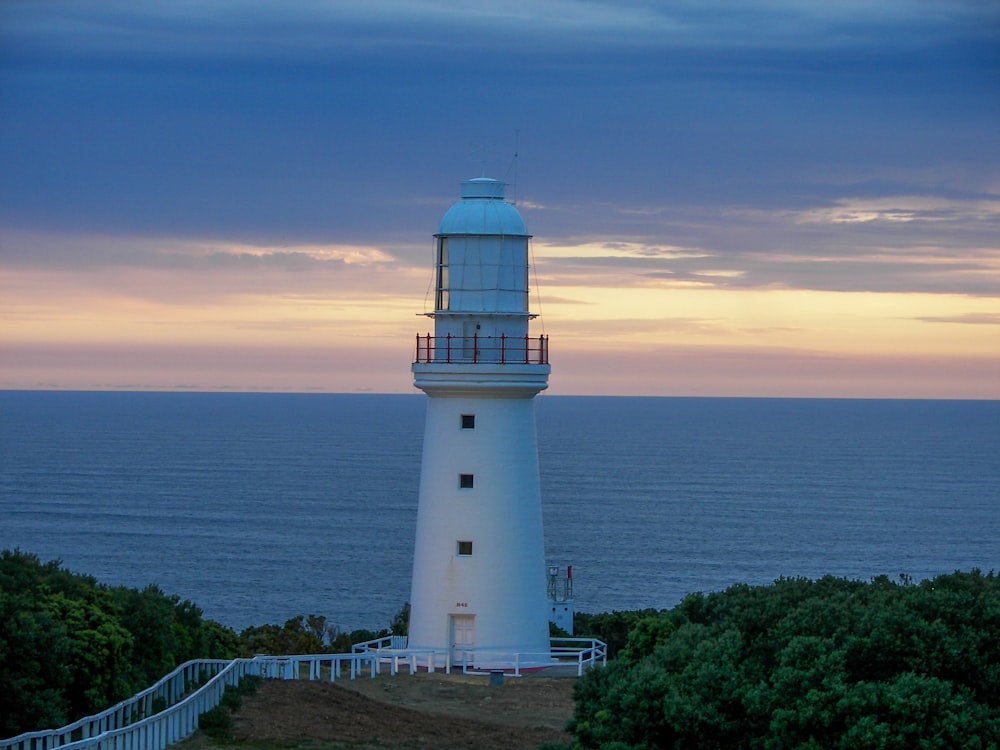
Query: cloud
71	274
281	122
777	250
22	249
582	250
240	365
978	319
300	258
767	371
304	30
904	208
746	168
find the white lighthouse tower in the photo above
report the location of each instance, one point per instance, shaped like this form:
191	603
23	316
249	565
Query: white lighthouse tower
479	576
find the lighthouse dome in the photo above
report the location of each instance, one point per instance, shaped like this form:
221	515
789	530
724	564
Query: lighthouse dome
483	210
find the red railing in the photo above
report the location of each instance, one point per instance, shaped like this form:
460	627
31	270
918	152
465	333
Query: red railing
513	350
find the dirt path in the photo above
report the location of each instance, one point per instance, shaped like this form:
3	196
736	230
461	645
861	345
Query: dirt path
419	711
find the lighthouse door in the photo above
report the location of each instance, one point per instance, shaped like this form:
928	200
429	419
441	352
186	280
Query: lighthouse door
463	638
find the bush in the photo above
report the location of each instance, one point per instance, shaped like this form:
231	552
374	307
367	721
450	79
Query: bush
217	722
611	627
829	663
305	634
70	646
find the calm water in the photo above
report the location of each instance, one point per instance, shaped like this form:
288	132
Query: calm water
259	507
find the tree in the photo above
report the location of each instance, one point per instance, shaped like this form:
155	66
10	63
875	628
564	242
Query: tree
34	666
400	624
70	646
99	656
830	663
611	627
300	635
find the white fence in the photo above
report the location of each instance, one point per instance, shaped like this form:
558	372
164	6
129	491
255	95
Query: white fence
580	652
585	652
132	725
168	711
577	652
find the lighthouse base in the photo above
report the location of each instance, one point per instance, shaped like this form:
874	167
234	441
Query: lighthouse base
479	587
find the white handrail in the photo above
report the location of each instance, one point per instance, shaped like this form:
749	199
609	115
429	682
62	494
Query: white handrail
133	725
129	725
168	689
588	651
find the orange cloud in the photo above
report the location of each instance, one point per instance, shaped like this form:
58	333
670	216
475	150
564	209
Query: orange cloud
342	318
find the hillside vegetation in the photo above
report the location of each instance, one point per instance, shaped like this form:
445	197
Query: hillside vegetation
71	647
831	663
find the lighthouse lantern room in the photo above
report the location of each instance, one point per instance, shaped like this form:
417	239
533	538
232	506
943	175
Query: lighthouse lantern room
479	578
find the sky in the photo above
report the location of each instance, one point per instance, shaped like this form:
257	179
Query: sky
740	198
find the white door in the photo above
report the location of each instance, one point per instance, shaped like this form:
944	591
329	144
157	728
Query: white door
463	638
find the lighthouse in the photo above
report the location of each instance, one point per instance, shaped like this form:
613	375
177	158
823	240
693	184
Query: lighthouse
479	577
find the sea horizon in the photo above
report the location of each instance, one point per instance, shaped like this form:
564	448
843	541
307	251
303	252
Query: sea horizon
543	394
261	509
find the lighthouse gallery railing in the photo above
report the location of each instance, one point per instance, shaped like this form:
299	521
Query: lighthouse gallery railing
513	350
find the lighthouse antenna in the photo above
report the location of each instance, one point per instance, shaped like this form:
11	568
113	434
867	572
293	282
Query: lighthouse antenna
512	181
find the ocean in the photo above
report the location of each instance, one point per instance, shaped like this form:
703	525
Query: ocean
261	507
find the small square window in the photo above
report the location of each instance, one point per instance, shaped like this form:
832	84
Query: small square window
468	421
465	549
465	481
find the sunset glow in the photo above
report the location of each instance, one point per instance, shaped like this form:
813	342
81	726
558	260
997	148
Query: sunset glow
732	210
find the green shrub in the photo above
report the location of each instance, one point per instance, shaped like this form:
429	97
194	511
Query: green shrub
830	663
70	646
217	723
611	627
